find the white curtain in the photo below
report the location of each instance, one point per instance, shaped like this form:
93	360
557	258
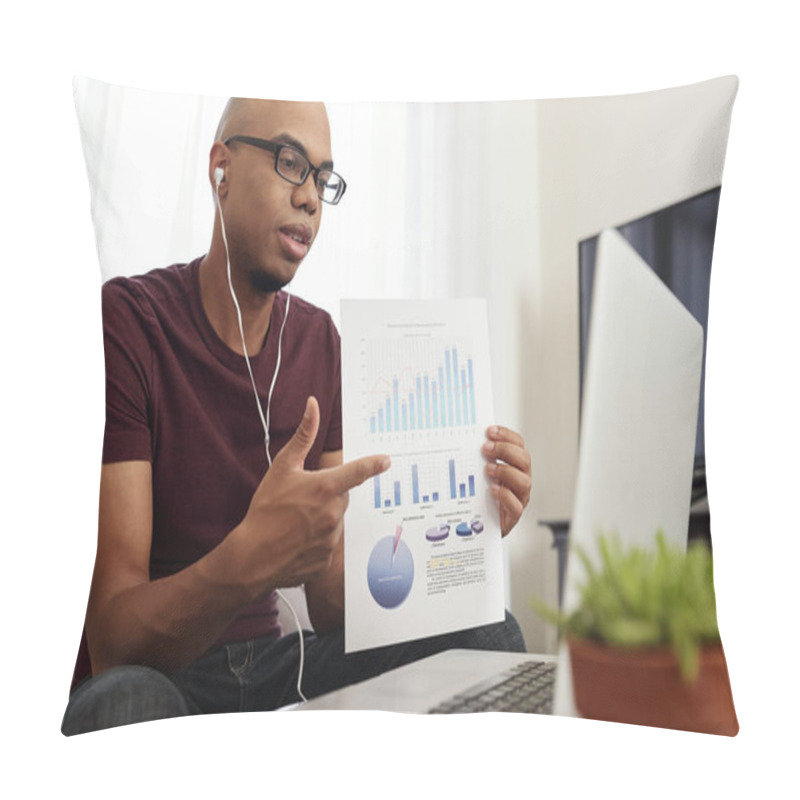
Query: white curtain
441	201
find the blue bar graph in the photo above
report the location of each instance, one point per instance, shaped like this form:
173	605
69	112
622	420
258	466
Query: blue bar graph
396	398
471	385
427	403
442	396
419	401
450	419
460	485
421	488
456	392
464	396
385	502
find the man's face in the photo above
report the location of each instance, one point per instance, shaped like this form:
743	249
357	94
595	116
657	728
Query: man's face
270	222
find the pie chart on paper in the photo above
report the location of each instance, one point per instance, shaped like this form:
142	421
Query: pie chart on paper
390	571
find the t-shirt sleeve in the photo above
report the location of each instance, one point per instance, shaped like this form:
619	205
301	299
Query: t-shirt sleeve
128	364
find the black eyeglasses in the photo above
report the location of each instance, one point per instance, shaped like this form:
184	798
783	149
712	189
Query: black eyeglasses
295	168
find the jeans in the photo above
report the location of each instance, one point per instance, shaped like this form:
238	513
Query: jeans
256	675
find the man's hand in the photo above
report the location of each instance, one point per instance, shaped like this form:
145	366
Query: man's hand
294	523
290	532
509	472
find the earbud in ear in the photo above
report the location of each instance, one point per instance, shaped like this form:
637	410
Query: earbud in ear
219	176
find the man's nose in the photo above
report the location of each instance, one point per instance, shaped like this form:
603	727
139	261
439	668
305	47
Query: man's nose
305	195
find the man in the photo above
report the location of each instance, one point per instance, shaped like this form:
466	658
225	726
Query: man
194	536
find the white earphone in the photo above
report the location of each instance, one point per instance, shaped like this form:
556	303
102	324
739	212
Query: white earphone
219	176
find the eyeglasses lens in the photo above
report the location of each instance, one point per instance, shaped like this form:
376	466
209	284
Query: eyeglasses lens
294	167
329	186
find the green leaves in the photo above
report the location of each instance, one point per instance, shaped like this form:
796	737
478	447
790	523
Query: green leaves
645	597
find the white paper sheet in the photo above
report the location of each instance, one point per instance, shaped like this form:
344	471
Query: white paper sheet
423	552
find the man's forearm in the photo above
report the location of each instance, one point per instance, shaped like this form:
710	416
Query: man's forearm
325	596
167	623
325	591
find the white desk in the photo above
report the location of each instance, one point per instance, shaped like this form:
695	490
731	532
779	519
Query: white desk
419	686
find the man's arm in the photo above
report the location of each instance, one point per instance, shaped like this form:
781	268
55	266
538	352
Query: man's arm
290	533
325	592
131	620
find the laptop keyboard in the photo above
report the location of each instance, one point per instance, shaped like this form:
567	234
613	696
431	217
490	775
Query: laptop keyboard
526	688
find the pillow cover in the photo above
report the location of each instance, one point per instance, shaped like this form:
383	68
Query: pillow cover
503	200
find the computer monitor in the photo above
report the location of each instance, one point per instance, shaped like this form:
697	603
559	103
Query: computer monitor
677	242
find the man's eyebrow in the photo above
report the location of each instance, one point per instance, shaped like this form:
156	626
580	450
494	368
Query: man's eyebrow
287	138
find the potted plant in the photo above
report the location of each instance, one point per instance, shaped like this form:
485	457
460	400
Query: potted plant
643	641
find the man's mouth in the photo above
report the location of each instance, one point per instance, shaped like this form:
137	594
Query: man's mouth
296	240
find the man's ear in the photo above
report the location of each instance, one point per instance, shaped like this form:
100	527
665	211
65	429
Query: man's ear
218	167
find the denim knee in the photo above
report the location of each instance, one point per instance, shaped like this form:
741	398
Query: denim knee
122	696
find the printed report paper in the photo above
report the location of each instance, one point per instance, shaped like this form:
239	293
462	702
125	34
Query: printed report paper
423	550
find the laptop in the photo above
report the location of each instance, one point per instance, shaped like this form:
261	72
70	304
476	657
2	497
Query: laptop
635	468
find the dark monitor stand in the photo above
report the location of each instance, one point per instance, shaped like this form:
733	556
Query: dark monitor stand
560	530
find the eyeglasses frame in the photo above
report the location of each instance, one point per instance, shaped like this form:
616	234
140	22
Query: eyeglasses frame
276	147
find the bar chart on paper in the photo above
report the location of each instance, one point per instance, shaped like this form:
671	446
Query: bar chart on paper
426	479
422	540
417	385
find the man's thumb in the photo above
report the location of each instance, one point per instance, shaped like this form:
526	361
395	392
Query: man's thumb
297	447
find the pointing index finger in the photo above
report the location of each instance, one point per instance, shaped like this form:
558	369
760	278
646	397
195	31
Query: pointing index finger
354	473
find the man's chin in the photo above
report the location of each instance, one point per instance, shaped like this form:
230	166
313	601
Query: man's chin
267	283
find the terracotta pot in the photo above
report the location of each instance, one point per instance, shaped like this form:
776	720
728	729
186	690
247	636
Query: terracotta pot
643	686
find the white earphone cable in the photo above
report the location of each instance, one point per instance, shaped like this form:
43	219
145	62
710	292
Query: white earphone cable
275	374
264	420
302	648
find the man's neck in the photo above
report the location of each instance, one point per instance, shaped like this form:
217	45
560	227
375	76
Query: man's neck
256	307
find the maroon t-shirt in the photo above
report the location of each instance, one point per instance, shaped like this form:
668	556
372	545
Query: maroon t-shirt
178	397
